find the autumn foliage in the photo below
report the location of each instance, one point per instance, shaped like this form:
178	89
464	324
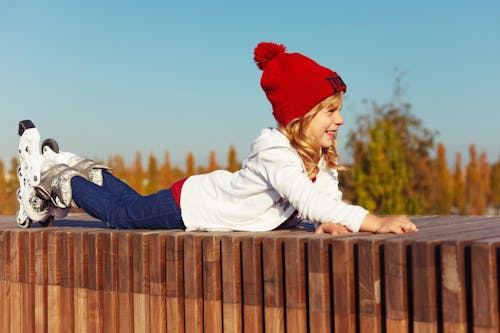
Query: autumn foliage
397	169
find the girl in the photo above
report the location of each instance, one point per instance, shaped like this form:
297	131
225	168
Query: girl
290	174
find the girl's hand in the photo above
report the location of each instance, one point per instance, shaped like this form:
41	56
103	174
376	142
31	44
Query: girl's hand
332	228
396	224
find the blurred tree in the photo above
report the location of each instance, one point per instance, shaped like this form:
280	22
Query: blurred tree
201	170
137	174
346	183
391	151
391	148
380	185
212	162
3	186
12	181
441	195
10	189
166	177
459	197
232	163
421	185
190	165
495	186
177	174
484	173
476	203
119	169
153	176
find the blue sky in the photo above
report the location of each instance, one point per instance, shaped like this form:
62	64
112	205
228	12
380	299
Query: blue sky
116	77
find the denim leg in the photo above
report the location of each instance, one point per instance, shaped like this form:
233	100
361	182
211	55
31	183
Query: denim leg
114	185
156	211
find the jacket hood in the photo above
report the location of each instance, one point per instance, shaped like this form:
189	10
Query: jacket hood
269	138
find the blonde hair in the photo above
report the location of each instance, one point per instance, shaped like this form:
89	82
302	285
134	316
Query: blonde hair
306	146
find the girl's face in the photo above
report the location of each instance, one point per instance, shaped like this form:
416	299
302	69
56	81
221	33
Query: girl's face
323	127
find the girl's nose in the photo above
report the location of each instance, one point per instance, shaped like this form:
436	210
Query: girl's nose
339	120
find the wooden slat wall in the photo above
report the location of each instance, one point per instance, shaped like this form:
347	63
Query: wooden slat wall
442	279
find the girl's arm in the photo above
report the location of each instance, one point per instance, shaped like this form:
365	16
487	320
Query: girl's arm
283	170
397	224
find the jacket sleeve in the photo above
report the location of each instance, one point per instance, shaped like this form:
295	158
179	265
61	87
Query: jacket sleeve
284	172
327	183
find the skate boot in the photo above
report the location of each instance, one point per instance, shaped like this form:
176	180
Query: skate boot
87	167
32	206
55	184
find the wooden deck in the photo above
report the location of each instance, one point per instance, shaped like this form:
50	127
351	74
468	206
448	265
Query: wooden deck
78	276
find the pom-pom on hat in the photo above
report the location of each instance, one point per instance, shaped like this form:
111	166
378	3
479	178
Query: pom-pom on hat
293	83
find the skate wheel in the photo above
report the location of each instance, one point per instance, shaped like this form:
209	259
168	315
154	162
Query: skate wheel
52	144
24	224
24	125
48	222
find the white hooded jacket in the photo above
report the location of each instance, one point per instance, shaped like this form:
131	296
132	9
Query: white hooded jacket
270	186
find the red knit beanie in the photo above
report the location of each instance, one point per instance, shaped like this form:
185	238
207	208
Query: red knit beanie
293	83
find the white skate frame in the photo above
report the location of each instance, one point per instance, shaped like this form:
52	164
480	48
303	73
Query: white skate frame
29	174
30	160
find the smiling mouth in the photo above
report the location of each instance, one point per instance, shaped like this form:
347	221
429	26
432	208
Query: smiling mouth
331	134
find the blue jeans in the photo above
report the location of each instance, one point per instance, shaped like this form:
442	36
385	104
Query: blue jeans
119	206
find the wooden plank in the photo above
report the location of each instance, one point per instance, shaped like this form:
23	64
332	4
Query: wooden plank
427	302
320	286
274	285
344	249
231	282
16	285
94	310
454	285
193	281
109	243
158	282
174	257
441	221
371	284
296	283
41	280
28	280
456	281
95	306
344	285
399	272
4	281
253	311
67	281
426	257
424	282
243	278
87	308
125	282
54	295
358	282
80	280
140	261
212	283
344	255
485	266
